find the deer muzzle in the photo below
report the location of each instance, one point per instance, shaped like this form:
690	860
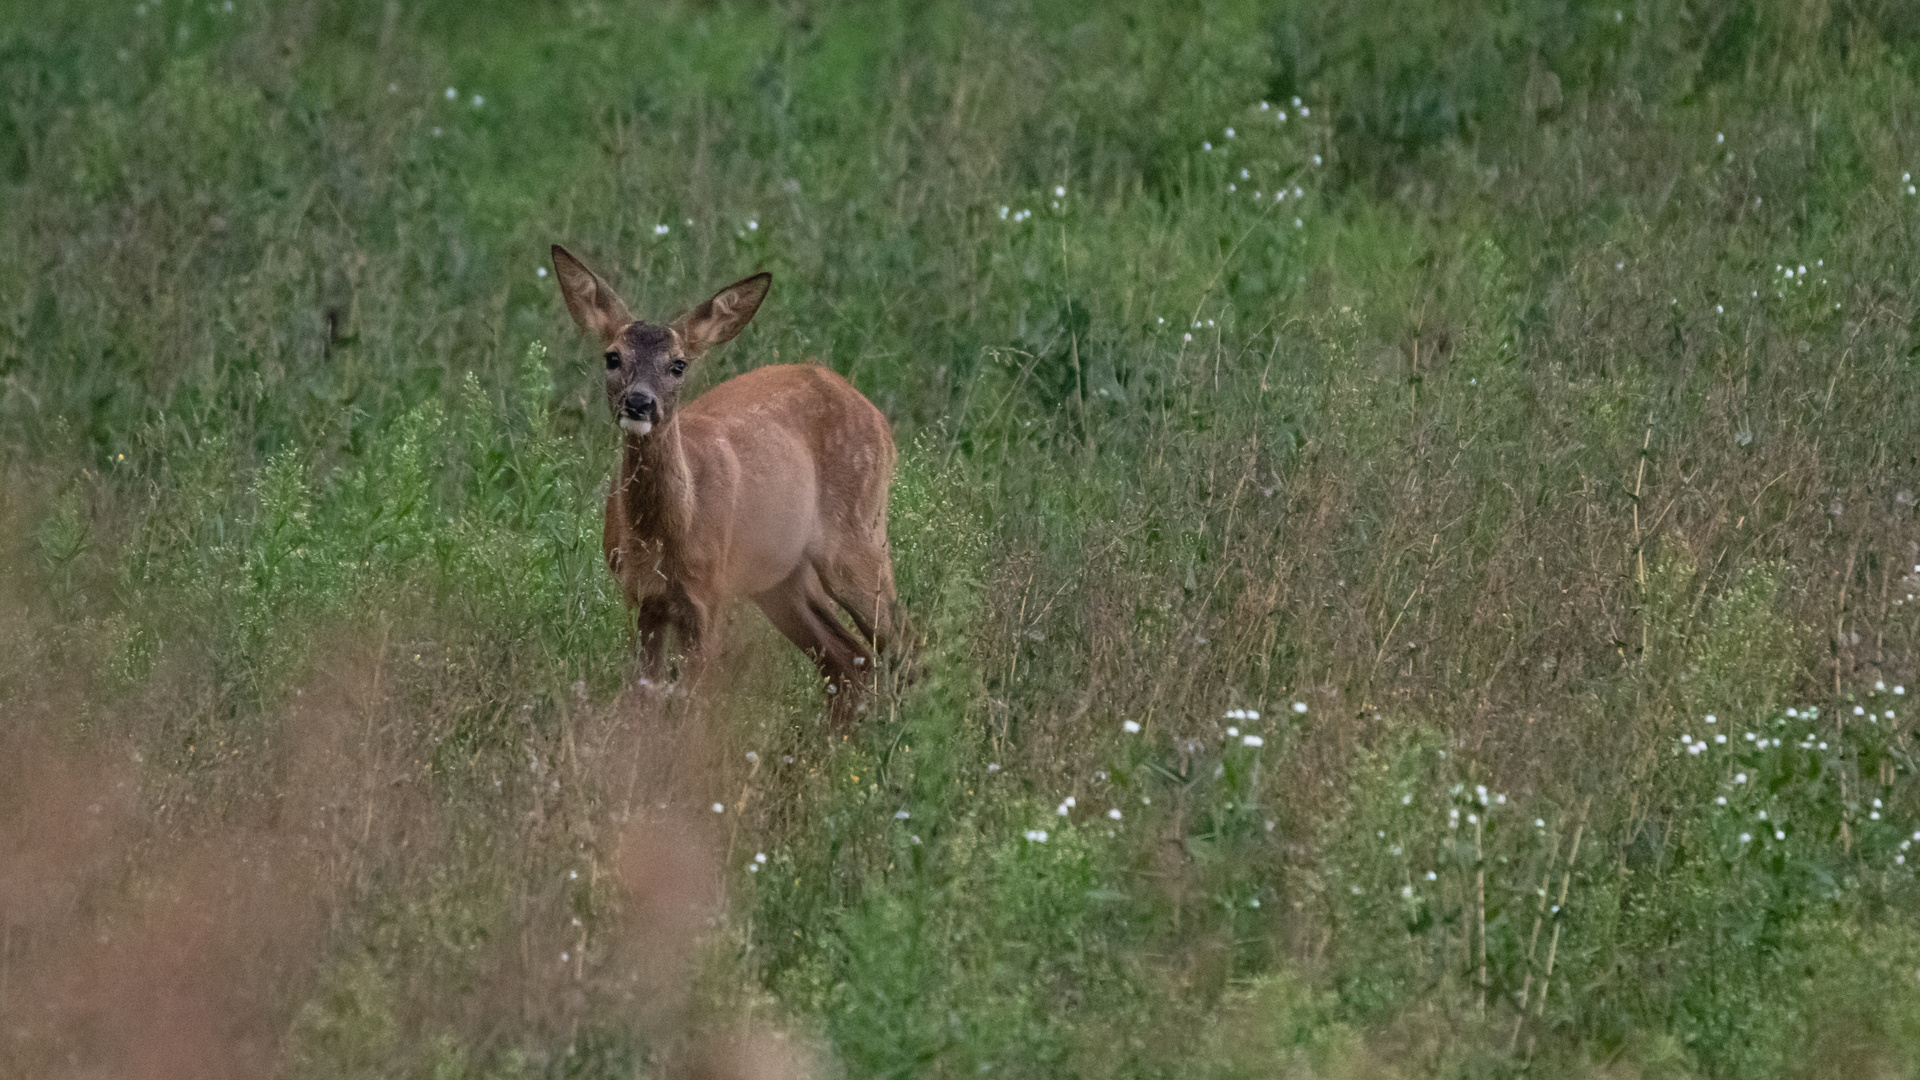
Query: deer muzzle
639	411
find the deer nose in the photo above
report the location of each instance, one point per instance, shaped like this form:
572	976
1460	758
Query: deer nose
640	405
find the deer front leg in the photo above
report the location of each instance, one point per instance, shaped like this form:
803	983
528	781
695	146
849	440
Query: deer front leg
693	628
654	617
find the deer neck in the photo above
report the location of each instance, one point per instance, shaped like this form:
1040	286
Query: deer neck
656	487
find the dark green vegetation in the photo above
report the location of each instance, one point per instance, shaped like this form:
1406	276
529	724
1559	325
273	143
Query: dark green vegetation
1570	394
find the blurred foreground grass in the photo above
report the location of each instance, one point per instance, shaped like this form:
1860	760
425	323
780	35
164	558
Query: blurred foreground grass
1412	509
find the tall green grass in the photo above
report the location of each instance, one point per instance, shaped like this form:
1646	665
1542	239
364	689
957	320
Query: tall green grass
1345	513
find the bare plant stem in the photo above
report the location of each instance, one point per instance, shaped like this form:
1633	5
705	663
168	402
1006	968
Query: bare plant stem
1480	902
1640	568
1533	940
1553	943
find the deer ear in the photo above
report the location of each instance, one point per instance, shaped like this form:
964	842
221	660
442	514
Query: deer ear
725	314
596	309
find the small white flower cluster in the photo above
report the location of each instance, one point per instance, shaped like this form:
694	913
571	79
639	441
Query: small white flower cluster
1234	732
759	860
1898	602
1038	836
1260	197
1008	214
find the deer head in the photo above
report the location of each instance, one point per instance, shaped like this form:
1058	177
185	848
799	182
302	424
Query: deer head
646	362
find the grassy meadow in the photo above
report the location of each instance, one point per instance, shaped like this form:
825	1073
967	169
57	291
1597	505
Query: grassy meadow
1409	510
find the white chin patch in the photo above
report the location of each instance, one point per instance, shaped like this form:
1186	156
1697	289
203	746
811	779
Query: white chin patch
638	427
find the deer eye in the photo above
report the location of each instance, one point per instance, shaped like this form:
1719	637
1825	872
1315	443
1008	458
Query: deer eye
613	359
677	368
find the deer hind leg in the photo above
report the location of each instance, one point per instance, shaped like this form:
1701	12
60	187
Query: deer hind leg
800	609
860	580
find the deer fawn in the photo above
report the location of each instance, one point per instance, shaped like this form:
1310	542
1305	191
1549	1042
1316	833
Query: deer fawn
772	485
